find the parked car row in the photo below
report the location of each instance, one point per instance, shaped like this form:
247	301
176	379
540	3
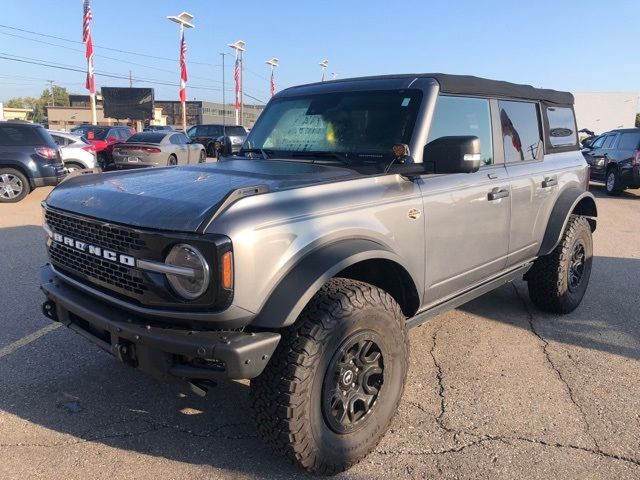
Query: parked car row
159	148
614	158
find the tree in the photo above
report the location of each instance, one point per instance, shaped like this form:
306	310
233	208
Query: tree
39	105
638	120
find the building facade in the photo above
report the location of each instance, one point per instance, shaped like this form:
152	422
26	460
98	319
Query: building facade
200	112
604	111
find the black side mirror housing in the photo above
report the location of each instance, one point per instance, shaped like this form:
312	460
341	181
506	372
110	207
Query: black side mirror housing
455	154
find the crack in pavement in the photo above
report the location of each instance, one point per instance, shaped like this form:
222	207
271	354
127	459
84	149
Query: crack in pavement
506	439
439	377
545	345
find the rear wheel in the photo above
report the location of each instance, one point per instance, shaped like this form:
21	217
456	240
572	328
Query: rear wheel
329	393
14	186
613	182
173	160
203	157
558	281
73	166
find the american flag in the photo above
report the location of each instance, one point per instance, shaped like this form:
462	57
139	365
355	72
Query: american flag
86	39
273	84
183	69
236	76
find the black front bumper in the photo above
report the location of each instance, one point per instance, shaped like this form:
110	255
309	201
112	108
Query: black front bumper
167	353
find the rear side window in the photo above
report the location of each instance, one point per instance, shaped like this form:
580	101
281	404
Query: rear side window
629	141
178	139
235	131
60	141
609	141
520	131
14	136
562	126
455	116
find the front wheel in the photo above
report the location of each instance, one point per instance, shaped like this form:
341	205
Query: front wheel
203	157
558	281
14	186
335	381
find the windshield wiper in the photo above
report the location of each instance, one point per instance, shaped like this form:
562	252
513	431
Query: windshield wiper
322	154
265	153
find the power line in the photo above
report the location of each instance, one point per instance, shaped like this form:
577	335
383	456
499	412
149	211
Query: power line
127	52
60	66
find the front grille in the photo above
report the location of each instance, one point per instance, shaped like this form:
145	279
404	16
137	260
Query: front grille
126	280
96	268
107	236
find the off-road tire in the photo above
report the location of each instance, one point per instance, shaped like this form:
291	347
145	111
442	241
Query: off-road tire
14	175
287	398
613	182
548	279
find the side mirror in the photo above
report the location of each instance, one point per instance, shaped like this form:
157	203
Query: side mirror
111	139
459	154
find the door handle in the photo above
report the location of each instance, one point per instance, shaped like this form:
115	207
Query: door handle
497	194
549	182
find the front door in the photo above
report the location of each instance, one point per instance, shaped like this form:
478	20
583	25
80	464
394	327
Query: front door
467	215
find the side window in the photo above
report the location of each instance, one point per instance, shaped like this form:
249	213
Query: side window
520	131
60	141
598	143
562	125
193	131
609	141
455	116
174	140
629	141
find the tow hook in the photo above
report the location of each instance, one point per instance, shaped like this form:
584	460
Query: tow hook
49	310
126	353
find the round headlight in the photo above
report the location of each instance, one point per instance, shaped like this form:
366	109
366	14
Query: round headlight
188	284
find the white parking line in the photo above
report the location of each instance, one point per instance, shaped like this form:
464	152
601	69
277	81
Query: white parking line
12	347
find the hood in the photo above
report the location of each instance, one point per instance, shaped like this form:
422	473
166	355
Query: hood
180	198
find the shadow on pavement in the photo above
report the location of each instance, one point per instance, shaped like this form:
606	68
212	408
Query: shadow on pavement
80	394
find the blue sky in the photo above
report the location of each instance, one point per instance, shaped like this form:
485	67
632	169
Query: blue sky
578	46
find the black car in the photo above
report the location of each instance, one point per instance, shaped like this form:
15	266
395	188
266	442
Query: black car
219	140
29	158
614	158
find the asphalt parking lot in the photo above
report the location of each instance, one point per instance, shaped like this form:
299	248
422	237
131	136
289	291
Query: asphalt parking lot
496	388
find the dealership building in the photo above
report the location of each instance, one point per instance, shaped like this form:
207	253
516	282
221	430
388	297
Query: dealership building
166	112
604	111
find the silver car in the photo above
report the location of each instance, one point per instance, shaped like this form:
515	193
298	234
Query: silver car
156	149
77	153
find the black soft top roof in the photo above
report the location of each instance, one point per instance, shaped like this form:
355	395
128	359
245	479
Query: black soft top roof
460	84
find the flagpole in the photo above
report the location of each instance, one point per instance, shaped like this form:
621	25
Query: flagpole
238	68
273	63
183	102
183	20
92	101
237	82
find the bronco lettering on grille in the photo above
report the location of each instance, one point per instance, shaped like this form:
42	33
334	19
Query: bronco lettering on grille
95	250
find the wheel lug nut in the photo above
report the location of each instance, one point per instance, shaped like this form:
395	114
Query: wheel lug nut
353	385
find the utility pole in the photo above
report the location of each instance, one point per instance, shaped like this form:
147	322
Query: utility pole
130	80
224	101
53	100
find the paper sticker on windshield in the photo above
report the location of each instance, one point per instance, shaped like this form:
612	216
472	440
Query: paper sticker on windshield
405	102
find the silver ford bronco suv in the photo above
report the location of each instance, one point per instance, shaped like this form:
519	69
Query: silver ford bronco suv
355	210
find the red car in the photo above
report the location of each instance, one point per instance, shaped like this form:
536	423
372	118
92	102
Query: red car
103	138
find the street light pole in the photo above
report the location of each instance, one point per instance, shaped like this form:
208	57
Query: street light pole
224	101
273	63
184	20
323	65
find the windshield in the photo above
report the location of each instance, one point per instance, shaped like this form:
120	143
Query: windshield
235	131
364	125
92	132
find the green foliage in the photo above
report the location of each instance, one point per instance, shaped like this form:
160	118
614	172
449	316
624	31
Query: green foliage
638	120
39	105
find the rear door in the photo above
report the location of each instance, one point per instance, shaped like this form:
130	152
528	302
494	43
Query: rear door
466	214
180	148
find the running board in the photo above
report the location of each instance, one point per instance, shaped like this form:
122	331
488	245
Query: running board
466	296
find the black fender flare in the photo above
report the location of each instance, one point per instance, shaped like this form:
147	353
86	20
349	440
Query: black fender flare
571	201
306	277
